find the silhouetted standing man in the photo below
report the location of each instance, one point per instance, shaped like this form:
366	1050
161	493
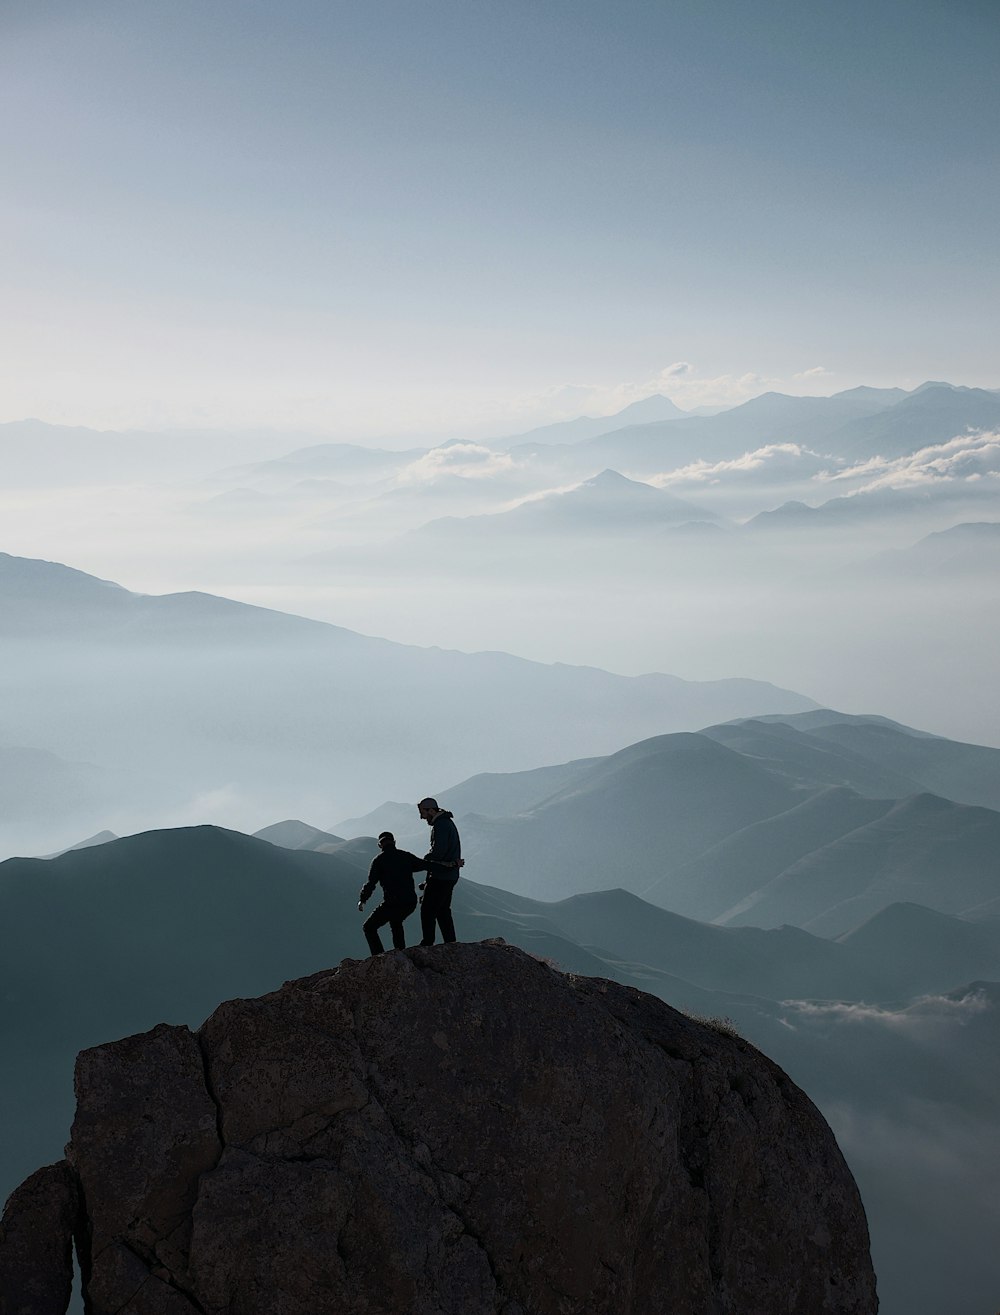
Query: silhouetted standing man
393	870
446	848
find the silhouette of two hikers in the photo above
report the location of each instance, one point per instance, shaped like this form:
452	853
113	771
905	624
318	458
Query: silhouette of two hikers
393	870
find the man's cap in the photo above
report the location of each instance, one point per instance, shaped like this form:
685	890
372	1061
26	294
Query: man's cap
387	835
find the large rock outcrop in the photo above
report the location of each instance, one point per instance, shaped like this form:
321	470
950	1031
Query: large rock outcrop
459	1130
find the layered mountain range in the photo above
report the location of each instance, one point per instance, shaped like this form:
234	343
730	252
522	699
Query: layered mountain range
776	457
764	540
854	426
145	709
748	459
817	819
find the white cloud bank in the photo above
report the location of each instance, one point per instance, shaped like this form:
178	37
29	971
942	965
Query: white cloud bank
461	460
925	1016
967	458
773	461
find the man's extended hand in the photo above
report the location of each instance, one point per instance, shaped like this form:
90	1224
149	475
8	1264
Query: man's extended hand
361	905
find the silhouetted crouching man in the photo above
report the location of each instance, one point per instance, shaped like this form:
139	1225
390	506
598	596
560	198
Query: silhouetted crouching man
446	848
393	870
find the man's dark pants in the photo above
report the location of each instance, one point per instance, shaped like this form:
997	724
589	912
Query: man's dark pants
435	907
393	914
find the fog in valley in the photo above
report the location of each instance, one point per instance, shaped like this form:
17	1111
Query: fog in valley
845	549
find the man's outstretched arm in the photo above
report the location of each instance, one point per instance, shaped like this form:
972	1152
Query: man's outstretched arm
365	893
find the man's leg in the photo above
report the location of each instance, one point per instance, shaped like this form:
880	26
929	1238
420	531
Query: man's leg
436	909
444	917
400	912
370	928
427	915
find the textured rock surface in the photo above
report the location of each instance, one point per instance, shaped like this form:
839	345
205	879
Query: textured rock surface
456	1131
36	1243
145	1131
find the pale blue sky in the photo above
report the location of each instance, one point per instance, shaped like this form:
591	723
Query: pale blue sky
393	216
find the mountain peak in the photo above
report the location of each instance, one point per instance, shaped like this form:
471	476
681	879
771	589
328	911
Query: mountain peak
613	480
653	408
938	383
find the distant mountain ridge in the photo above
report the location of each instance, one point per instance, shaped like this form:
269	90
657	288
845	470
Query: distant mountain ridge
645	411
964	551
607	503
640	438
34	453
183	696
293	834
933	413
853	425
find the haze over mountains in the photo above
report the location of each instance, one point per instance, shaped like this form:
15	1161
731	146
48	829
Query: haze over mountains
735	544
607	504
131	710
850	427
647	411
34	454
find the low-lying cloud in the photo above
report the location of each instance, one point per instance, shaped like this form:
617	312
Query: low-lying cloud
967	458
464	460
775	460
928	1012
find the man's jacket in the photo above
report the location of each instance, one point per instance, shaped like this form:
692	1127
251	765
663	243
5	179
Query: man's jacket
393	870
446	847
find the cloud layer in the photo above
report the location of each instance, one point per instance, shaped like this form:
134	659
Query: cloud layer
967	458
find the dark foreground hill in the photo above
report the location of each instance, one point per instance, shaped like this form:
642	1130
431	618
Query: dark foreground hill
162	925
448	1130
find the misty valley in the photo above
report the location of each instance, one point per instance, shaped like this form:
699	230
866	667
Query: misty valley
746	758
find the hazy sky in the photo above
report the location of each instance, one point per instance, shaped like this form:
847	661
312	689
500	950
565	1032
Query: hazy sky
468	215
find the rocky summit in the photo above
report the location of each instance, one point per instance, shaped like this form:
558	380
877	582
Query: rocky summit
459	1130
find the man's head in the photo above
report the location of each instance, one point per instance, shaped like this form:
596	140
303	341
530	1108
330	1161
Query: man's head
428	810
386	841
